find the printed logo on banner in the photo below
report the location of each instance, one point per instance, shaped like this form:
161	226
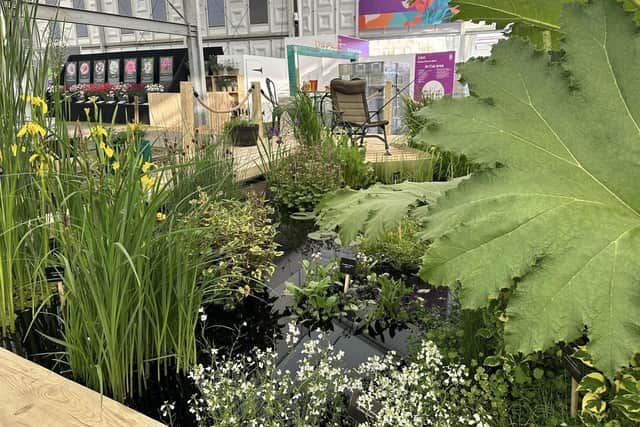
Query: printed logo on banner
130	70
434	75
99	71
85	72
379	14
147	70
114	71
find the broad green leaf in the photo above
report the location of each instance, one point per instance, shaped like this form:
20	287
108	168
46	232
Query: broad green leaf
538	20
557	217
371	212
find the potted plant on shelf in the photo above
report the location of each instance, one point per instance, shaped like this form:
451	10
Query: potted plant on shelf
231	70
242	132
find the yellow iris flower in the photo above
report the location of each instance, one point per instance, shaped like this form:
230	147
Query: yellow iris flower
41	169
98	132
160	217
115	166
147	182
33	157
108	151
31	129
147	166
14	150
36	101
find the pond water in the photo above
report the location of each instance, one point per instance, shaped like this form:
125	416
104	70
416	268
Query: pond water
260	322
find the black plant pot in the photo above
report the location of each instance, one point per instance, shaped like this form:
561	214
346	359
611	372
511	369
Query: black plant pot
245	136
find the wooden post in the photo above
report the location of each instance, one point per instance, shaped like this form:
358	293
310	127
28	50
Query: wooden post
388	96
256	106
188	118
136	109
574	398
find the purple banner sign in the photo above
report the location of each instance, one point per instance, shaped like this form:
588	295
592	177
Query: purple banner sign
435	75
352	44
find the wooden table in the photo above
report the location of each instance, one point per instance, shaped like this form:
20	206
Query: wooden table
31	395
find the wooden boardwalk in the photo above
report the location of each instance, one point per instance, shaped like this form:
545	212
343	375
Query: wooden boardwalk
33	396
248	158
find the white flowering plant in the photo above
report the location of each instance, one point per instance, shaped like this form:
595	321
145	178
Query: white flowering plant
426	392
252	390
154	88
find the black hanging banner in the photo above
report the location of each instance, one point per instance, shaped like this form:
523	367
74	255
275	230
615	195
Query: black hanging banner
114	71
71	73
146	73
166	69
84	69
99	75
131	70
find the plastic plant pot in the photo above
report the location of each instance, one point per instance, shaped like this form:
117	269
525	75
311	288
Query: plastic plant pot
245	135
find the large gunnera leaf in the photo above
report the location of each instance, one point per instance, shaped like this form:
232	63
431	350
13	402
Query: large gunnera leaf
558	218
367	214
537	20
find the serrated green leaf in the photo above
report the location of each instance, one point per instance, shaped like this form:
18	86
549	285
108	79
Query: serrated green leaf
377	209
558	217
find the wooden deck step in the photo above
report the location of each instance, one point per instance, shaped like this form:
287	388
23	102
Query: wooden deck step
33	396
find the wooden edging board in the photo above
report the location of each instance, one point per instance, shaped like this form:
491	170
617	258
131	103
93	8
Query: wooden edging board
31	395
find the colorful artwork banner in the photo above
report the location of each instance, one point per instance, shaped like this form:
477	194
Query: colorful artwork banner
166	68
352	44
435	75
114	71
99	71
385	14
84	72
131	70
146	71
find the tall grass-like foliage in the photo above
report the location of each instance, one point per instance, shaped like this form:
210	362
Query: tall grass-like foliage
24	161
307	124
131	290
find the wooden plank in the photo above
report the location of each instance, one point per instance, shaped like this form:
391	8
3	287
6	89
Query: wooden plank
188	118
164	110
31	395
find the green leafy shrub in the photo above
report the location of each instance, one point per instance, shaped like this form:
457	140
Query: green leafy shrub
398	247
610	402
373	302
298	182
237	245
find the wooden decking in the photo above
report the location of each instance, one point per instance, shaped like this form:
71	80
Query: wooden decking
248	158
31	395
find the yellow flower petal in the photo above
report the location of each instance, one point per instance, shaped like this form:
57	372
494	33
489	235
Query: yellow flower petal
147	182
147	166
23	149
14	150
160	217
109	152
115	166
22	132
33	157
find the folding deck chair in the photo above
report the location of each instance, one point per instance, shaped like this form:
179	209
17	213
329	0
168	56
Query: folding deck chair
351	110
